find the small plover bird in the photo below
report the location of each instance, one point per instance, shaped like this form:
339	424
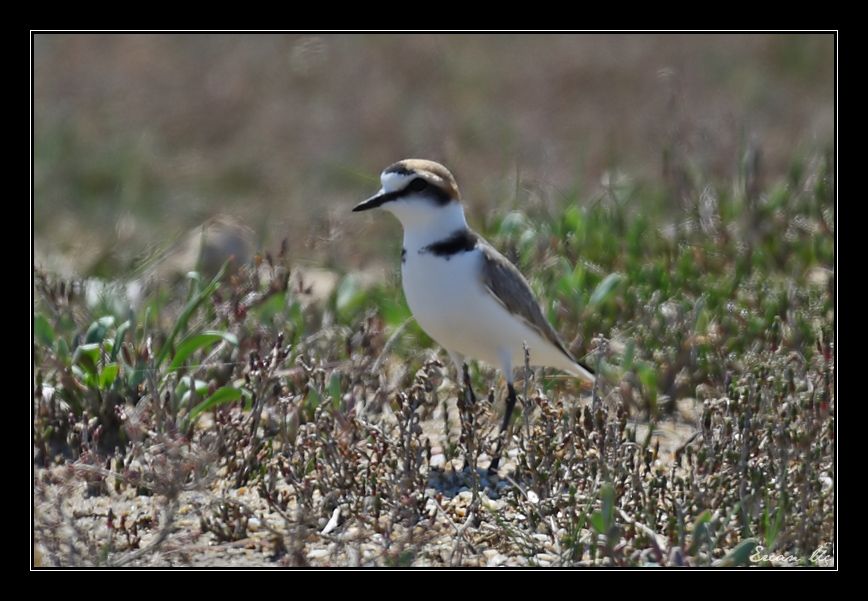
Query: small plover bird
467	296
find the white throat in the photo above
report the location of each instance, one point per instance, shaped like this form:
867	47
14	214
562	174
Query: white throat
422	228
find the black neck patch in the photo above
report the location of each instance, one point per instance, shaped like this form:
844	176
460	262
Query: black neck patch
461	241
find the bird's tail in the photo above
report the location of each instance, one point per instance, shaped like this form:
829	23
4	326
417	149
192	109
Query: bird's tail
581	370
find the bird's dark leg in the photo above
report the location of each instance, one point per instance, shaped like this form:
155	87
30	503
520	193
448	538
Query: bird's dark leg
510	405
469	397
469	402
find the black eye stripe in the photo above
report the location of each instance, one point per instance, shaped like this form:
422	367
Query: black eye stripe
417	185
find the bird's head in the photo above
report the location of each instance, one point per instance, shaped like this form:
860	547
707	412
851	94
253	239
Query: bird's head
416	191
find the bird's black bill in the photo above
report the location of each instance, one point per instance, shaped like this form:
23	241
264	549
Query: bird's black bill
375	201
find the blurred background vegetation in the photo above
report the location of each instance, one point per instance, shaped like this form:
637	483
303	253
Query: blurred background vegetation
141	137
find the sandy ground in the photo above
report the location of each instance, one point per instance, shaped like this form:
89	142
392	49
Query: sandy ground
444	535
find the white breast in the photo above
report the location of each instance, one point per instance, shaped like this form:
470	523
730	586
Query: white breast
443	294
451	304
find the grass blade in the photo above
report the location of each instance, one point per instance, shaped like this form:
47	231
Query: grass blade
224	395
187	312
193	343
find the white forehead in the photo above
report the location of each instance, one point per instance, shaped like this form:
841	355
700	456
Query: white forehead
394	181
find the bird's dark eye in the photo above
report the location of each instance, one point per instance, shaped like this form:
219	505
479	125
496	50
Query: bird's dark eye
417	185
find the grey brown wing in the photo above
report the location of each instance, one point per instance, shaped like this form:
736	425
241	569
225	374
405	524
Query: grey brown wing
508	286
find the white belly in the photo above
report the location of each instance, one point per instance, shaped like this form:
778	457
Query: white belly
451	304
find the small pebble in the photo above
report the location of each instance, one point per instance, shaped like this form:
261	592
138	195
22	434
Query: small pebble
489	503
497	560
465	496
333	521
